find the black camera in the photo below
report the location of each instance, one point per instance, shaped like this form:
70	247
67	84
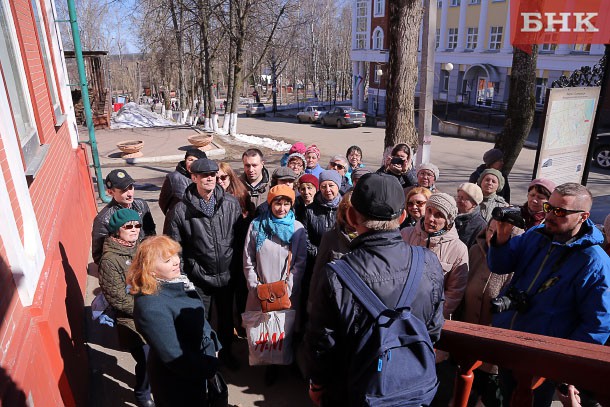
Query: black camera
513	300
510	214
397	160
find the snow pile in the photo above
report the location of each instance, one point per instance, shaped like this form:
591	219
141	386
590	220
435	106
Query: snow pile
276	145
132	115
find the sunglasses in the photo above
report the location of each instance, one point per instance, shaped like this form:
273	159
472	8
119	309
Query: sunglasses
418	203
337	166
559	212
222	177
131	226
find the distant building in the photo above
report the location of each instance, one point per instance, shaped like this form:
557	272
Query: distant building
472	35
46	210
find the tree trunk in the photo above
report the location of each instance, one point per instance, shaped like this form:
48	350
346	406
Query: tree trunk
405	21
521	106
177	21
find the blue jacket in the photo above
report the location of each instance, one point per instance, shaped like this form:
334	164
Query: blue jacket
567	284
315	171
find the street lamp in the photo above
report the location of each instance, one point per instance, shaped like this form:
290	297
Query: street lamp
379	73
448	69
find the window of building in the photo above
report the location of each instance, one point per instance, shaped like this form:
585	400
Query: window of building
455	3
362	23
439	4
378	38
582	47
379	8
548	47
46	58
495	37
475	2
16	84
541	84
472	37
444	85
438	37
452	38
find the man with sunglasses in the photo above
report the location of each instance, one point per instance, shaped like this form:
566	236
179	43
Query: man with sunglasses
204	223
120	186
561	281
339	164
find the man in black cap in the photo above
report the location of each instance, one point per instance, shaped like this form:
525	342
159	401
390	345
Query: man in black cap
203	223
176	182
120	186
382	260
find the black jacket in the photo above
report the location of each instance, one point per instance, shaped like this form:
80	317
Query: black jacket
173	187
100	224
468	226
182	344
319	219
382	260
474	177
207	243
408	179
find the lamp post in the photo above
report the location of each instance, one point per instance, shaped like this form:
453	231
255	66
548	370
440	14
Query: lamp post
448	69
379	73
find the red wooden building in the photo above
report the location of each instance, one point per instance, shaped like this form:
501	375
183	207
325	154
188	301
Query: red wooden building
46	210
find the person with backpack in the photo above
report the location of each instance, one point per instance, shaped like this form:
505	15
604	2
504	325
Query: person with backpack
376	310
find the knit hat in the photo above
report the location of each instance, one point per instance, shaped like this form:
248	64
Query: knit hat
280	190
118	179
195	152
473	191
359	172
284	173
309	179
496	173
203	166
493	155
445	204
331	175
121	217
543	182
378	196
429	167
313	149
297	155
297	147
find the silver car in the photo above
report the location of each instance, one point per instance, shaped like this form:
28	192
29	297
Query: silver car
255	109
311	114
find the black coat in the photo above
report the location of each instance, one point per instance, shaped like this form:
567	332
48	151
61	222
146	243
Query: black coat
182	344
319	219
100	224
469	225
408	179
382	260
173	189
207	243
474	177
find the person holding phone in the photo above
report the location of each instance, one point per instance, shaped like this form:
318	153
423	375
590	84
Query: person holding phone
399	164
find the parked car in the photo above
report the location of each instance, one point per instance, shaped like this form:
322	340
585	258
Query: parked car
601	153
311	114
255	109
342	117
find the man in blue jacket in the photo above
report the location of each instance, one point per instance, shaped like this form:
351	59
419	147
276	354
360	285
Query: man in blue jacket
562	276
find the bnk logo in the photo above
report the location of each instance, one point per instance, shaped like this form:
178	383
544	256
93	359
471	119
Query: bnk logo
559	22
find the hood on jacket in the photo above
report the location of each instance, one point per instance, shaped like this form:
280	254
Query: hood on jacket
589	235
191	197
261	186
181	168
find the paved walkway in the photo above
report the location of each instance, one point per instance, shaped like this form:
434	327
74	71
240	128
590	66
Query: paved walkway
164	147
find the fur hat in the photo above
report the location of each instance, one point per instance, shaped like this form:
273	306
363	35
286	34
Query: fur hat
309	179
493	155
495	173
331	175
445	204
473	191
280	190
429	167
121	217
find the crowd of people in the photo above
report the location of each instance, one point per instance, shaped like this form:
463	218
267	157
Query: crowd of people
233	244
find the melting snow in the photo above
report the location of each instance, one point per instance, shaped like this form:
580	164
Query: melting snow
276	145
132	115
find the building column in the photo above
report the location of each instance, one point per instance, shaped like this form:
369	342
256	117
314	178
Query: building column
362	70
442	44
507	47
482	27
355	81
461	43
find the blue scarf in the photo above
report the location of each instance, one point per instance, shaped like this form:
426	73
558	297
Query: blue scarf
268	225
329	204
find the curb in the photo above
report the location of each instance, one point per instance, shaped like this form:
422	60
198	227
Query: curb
218	152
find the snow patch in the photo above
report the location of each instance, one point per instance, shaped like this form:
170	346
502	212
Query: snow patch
132	115
276	145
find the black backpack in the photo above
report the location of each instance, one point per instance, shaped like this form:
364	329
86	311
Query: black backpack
394	363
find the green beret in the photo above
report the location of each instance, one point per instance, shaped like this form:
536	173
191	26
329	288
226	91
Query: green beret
121	217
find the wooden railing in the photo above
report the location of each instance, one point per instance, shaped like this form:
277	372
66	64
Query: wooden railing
529	356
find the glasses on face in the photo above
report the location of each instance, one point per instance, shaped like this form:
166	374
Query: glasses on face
425	174
419	204
295	164
559	212
131	226
222	177
337	166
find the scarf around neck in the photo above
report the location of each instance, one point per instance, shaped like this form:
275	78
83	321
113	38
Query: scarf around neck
329	204
267	225
123	242
188	285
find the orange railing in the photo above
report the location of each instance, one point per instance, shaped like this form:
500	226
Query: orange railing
530	357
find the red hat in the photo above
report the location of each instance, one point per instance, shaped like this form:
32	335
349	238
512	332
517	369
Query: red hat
297	147
311	179
313	149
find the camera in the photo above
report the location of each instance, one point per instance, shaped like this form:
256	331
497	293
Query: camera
511	214
513	300
397	160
